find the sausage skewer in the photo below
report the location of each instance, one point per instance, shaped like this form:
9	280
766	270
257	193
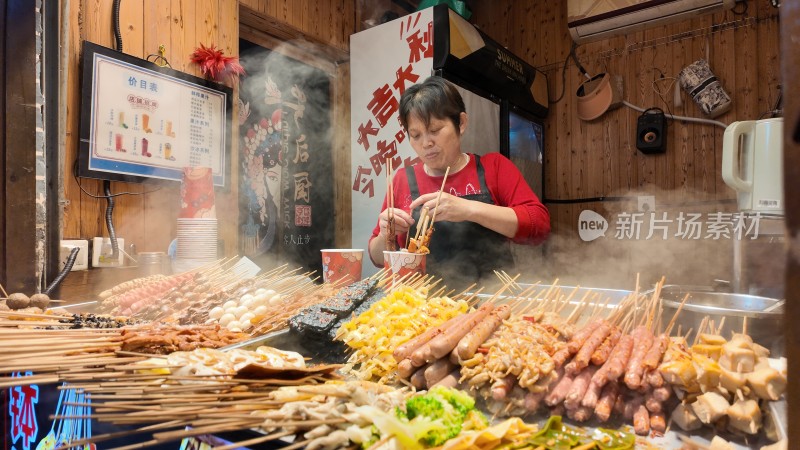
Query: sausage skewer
469	344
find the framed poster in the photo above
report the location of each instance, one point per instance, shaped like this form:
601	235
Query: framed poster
285	159
140	120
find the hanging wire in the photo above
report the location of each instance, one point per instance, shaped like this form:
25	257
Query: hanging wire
158	58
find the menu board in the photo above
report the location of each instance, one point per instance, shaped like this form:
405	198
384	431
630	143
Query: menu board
140	120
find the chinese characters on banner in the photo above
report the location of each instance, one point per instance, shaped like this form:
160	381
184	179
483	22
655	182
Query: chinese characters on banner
22	411
385	61
286	182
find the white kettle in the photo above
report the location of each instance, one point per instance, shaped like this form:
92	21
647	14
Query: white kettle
752	164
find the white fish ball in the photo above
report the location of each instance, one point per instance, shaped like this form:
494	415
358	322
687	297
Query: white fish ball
216	312
226	319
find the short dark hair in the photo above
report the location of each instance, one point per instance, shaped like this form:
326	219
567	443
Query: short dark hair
433	98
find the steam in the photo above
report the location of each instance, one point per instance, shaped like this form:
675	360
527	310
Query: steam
614	261
286	104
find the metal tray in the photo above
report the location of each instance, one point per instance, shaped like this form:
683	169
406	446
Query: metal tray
764	315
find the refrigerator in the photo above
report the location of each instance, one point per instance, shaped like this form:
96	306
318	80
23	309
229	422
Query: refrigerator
505	99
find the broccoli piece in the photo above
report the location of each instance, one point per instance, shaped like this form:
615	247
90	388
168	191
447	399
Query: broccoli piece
460	400
376	436
450	406
425	405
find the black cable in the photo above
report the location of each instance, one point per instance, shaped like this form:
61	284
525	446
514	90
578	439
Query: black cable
563	82
117	33
109	220
73	255
575	58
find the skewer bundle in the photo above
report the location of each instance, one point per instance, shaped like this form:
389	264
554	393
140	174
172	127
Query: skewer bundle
391	235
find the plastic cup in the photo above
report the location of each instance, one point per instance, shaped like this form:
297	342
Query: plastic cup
403	263
341	264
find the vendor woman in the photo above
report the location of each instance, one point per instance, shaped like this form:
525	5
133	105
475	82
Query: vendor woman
486	202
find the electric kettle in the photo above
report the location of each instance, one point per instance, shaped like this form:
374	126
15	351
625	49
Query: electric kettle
752	164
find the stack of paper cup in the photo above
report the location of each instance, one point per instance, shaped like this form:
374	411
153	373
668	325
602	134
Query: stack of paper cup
197	221
197	243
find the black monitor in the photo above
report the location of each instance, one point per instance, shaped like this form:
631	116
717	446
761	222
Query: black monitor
141	121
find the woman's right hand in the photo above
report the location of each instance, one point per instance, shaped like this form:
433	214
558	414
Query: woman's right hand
402	221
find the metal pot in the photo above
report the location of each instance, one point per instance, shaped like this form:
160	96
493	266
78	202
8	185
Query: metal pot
764	315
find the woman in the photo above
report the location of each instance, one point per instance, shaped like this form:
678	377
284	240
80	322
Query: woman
485	204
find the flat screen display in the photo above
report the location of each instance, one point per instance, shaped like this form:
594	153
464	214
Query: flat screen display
140	120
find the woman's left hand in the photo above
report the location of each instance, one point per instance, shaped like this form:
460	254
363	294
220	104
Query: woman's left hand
451	208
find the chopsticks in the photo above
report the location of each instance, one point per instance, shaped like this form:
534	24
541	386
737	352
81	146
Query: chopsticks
391	238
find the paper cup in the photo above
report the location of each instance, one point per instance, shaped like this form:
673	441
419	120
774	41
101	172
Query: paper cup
403	263
342	264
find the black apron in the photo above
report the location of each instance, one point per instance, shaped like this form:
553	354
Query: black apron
464	252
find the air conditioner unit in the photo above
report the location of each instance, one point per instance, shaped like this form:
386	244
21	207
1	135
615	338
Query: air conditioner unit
590	20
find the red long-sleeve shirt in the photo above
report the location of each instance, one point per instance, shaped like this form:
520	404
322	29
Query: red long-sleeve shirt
505	183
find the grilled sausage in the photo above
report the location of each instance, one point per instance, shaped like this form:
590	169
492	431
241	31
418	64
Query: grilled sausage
423	353
655	379
560	357
641	421
658	422
578	388
656	351
580	414
451	380
580	336
584	355
652	404
592	395
438	370
600	356
469	344
418	378
445	343
662	393
643	340
502	387
560	391
533	400
607	399
405	369
405	350
619	358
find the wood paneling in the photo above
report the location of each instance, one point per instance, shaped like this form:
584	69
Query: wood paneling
326	22
146	220
600	159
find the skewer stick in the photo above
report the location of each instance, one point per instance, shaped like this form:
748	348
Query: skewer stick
675	316
439	197
423	215
5	294
253	441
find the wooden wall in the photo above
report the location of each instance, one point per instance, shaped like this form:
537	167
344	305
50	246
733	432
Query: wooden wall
146	220
600	159
149	220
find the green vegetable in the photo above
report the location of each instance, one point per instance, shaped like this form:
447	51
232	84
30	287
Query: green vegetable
556	436
450	408
614	440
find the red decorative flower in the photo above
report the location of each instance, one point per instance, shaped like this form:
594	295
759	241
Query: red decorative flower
214	64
